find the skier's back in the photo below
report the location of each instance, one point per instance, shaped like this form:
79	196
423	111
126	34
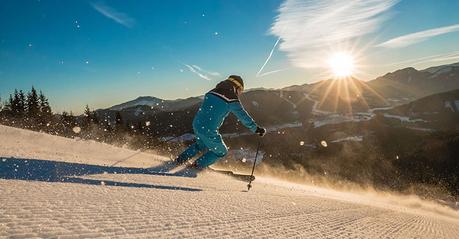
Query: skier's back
217	104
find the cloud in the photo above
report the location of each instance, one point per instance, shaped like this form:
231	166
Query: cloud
207	72
307	28
113	14
451	56
413	38
201	72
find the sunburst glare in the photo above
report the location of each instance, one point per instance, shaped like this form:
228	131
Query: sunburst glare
341	64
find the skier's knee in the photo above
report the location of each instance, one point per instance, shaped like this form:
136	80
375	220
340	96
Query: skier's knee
221	151
224	152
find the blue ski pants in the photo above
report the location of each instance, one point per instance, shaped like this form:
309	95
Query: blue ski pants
211	144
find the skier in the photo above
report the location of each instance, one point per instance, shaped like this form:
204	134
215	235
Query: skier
217	104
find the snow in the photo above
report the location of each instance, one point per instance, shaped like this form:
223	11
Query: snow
246	155
315	107
143	100
449	105
274	128
350	138
63	188
380	108
328	118
76	130
181	138
404	119
340	118
422	129
436	69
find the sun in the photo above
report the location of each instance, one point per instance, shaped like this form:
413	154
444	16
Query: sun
341	64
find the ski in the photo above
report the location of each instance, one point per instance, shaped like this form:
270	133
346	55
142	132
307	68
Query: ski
192	173
241	177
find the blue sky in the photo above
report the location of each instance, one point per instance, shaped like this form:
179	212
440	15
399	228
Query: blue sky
106	52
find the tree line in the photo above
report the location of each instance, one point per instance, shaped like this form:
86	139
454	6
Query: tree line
30	104
31	110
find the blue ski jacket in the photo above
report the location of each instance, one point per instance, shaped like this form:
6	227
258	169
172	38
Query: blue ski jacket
217	104
213	111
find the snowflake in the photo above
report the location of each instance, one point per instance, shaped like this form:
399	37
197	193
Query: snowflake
76	129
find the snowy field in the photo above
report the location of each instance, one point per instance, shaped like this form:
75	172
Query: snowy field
53	187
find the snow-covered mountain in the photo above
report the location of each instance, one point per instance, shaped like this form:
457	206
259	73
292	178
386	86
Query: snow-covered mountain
414	84
434	112
156	104
142	100
441	69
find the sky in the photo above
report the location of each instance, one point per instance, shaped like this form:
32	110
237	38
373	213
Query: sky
102	53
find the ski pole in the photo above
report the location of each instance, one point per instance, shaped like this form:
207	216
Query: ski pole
143	150
249	186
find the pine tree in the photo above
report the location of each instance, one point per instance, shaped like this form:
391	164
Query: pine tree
10	103
44	114
45	109
87	116
65	119
94	117
68	119
6	110
87	111
15	103
119	122
21	103
33	106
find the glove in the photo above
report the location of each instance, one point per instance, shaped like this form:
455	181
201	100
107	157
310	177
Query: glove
260	131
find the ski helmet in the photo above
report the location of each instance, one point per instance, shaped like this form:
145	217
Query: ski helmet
237	80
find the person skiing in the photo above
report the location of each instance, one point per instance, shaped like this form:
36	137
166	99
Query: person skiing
217	104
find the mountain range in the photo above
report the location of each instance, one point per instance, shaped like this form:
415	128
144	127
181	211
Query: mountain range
333	100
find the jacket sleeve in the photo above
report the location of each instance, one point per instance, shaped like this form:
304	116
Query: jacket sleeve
237	109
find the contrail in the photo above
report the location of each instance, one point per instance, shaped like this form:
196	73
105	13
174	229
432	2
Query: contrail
272	72
113	14
267	59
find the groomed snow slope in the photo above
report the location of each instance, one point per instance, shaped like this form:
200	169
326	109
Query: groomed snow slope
40	197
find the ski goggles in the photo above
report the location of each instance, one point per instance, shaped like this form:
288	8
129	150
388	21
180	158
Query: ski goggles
239	85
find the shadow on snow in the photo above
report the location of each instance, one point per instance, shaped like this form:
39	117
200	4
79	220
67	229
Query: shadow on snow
54	171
